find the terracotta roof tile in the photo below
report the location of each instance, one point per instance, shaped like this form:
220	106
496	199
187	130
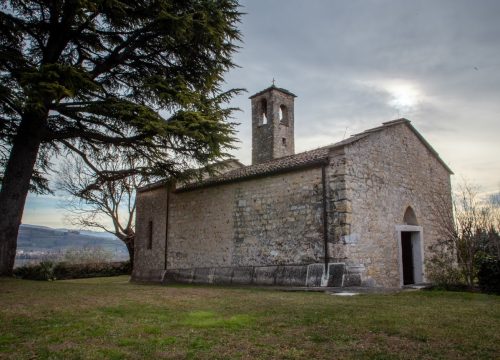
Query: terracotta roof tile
286	163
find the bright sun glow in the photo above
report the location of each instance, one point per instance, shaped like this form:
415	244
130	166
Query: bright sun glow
403	96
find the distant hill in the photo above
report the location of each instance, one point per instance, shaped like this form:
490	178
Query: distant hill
34	239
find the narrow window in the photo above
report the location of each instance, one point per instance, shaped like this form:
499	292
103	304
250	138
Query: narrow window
283	141
283	113
263	112
150	235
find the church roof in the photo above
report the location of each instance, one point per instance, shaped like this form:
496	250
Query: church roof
276	166
273	87
301	160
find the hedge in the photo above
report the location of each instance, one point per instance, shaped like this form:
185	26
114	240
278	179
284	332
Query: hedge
48	270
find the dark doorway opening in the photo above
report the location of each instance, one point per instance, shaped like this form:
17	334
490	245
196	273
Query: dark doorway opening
407	257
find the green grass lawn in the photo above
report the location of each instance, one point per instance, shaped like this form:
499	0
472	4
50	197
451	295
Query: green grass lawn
110	318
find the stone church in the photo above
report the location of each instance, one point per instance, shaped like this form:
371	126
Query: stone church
360	212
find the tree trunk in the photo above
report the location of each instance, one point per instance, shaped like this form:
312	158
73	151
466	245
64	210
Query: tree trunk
130	247
129	241
15	185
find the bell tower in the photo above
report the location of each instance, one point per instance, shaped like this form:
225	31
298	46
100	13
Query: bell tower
272	124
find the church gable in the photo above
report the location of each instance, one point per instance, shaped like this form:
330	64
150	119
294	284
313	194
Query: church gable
389	124
387	172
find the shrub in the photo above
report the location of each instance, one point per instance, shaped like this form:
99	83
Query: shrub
489	275
442	270
42	271
78	271
61	271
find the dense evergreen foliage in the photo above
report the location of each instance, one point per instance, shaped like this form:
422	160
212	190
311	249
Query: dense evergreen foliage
100	79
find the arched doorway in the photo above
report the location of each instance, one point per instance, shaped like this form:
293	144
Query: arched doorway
410	243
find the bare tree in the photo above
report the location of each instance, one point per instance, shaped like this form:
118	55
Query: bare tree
110	206
468	234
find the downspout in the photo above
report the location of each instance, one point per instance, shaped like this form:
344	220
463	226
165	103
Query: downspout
325	217
167	213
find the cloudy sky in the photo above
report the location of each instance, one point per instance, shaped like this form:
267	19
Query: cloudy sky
355	64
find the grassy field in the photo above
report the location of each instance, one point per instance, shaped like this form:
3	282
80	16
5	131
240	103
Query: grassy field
110	318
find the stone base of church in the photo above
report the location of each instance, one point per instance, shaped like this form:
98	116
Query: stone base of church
155	276
312	275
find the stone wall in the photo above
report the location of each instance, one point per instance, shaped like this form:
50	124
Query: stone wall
268	221
384	174
283	129
282	275
151	207
201	228
339	205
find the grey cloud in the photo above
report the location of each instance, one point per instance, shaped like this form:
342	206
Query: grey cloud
336	56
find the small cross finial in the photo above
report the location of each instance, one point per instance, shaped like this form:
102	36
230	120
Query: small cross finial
273	81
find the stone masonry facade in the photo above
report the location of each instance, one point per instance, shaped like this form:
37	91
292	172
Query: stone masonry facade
375	181
258	223
328	217
399	175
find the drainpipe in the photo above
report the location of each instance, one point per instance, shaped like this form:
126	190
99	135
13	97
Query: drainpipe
167	212
325	216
